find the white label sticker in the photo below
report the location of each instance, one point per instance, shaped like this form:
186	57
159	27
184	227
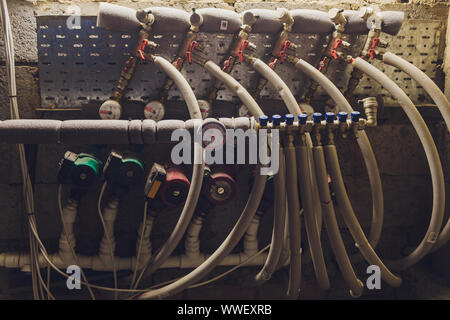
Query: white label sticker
224	25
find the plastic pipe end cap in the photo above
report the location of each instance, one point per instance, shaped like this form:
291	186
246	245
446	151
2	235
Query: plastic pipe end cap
263	120
354	116
329	117
302	118
317	117
289	119
342	116
276	120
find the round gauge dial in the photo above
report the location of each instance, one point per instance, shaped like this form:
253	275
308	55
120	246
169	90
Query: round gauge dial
213	134
154	110
110	110
205	108
243	111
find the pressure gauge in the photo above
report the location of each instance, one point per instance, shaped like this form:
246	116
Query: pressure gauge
154	110
213	134
205	108
243	111
110	110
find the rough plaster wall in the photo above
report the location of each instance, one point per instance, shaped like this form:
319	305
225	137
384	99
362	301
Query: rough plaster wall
405	175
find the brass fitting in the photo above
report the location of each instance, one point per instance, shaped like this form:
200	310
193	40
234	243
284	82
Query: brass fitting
337	17
286	18
370	106
196	20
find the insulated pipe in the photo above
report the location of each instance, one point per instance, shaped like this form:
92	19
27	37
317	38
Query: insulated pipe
293	205
216	20
391	22
225	248
441	102
67	240
40	131
307	181
197	173
311	21
420	77
279	216
256	111
437	175
186	215
364	145
117	18
107	248
312	232
350	218
183	86
331	224
236	87
22	260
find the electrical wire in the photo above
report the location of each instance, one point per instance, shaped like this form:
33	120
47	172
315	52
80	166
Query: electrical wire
46	257
139	249
108	239
69	241
220	276
14	111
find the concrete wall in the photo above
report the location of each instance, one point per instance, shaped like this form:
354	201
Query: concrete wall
405	175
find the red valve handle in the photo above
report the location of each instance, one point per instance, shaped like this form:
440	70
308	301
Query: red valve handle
334	54
177	63
337	43
241	50
375	42
189	52
273	64
323	63
227	63
286	45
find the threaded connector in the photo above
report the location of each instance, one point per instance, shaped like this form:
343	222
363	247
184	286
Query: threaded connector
370	106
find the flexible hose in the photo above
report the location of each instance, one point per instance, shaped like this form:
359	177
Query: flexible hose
421	78
295	267
276	246
350	218
315	246
27	187
186	215
247	214
197	173
441	102
225	248
364	145
334	235
256	111
293	107
183	86
236	87
316	213
437	176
